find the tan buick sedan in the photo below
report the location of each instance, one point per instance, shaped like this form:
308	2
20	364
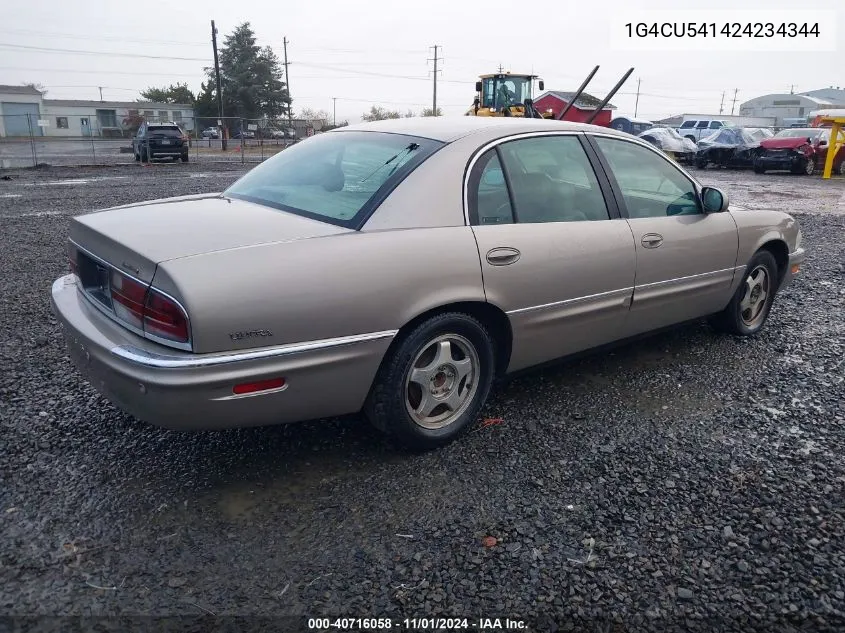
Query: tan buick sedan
399	267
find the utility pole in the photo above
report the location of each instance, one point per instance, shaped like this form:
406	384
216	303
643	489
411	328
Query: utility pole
287	80
334	111
734	101
637	102
722	104
219	92
101	93
792	89
434	98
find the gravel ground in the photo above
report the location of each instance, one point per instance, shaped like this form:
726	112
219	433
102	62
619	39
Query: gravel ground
689	481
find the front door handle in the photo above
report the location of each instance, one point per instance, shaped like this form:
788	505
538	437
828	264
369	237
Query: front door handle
502	256
652	240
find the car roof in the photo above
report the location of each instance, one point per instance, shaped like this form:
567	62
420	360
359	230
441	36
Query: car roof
447	129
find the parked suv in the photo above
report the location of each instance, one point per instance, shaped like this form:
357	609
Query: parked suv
160	140
695	130
799	150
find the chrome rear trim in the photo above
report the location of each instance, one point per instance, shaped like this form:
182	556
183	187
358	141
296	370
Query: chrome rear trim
171	361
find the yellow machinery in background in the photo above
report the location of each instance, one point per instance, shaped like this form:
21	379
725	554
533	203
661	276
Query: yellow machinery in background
836	119
512	94
504	94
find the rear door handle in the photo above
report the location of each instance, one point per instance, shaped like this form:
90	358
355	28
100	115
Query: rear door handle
652	240
502	256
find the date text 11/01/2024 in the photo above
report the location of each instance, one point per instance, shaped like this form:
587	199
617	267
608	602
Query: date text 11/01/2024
416	624
728	29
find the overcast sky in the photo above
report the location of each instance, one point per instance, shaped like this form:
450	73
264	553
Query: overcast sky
376	52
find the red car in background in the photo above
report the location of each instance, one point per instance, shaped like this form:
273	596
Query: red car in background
799	150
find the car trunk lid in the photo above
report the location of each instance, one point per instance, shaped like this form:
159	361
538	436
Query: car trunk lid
135	238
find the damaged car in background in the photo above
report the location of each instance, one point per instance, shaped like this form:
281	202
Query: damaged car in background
731	147
671	143
398	267
798	150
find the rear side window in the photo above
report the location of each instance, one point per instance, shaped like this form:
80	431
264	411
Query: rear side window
338	177
535	180
489	199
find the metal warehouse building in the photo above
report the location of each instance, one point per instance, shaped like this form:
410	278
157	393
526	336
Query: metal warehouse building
788	108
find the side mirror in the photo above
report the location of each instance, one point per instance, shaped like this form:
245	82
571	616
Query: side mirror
714	200
541	85
478	86
822	143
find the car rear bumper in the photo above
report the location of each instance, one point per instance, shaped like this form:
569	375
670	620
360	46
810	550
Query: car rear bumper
181	390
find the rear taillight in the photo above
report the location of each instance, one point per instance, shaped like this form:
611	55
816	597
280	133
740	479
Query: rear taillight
127	297
164	318
137	304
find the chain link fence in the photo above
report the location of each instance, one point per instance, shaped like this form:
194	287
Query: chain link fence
74	139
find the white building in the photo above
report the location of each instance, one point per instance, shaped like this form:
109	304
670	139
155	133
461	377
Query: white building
23	110
788	108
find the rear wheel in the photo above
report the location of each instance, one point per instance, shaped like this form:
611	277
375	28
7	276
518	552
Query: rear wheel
758	168
749	308
432	385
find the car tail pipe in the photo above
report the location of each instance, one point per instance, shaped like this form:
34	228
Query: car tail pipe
577	94
607	99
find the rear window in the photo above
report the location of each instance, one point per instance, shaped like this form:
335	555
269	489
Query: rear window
169	131
340	177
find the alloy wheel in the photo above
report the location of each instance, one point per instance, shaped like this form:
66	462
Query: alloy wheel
757	288
442	381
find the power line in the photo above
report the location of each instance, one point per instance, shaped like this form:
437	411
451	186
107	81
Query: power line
89	38
103	53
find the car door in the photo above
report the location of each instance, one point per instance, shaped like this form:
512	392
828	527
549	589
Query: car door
685	258
555	255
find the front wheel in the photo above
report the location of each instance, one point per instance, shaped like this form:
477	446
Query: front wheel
749	308
185	158
434	382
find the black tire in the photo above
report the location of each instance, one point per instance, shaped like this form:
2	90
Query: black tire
806	167
758	169
701	163
185	158
144	156
387	405
137	156
731	319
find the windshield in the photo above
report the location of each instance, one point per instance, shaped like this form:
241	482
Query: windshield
503	90
338	177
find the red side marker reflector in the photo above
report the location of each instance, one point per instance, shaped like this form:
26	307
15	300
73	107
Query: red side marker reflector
261	385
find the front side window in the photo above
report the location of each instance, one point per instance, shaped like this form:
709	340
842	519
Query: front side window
715	125
687	125
338	177
651	185
702	125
